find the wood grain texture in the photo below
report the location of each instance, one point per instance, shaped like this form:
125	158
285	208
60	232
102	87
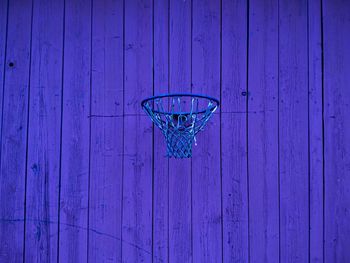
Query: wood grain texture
180	213
336	24
41	237
315	131
73	235
14	132
138	54
3	39
106	165
137	182
234	132
293	131
160	162
83	172
206	180
263	131
137	190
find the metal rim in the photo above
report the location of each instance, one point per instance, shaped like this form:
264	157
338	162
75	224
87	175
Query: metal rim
143	102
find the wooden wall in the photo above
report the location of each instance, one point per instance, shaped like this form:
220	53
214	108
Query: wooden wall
83	175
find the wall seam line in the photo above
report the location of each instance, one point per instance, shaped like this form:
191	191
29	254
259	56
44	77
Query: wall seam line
123	143
153	164
191	183
90	137
168	216
308	129
278	131
220	134
247	125
61	130
323	135
27	132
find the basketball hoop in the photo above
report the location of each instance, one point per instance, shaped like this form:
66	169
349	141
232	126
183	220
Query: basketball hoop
180	117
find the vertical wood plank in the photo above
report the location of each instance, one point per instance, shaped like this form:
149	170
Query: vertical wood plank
137	186
161	168
263	131
206	181
106	165
14	131
233	131
138	54
44	132
337	129
3	36
73	233
137	190
293	131
180	237
315	131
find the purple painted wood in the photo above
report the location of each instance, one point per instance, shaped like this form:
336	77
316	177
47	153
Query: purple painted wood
336	24
138	54
180	237
3	35
160	162
73	234
106	155
41	237
14	132
293	131
137	181
233	131
206	180
98	188
263	131
315	131
137	189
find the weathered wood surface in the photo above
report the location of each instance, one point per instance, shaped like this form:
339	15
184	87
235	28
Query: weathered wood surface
14	119
3	37
206	176
293	131
83	175
315	132
336	24
138	142
106	152
180	178
75	158
160	223
234	131
263	131
44	144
